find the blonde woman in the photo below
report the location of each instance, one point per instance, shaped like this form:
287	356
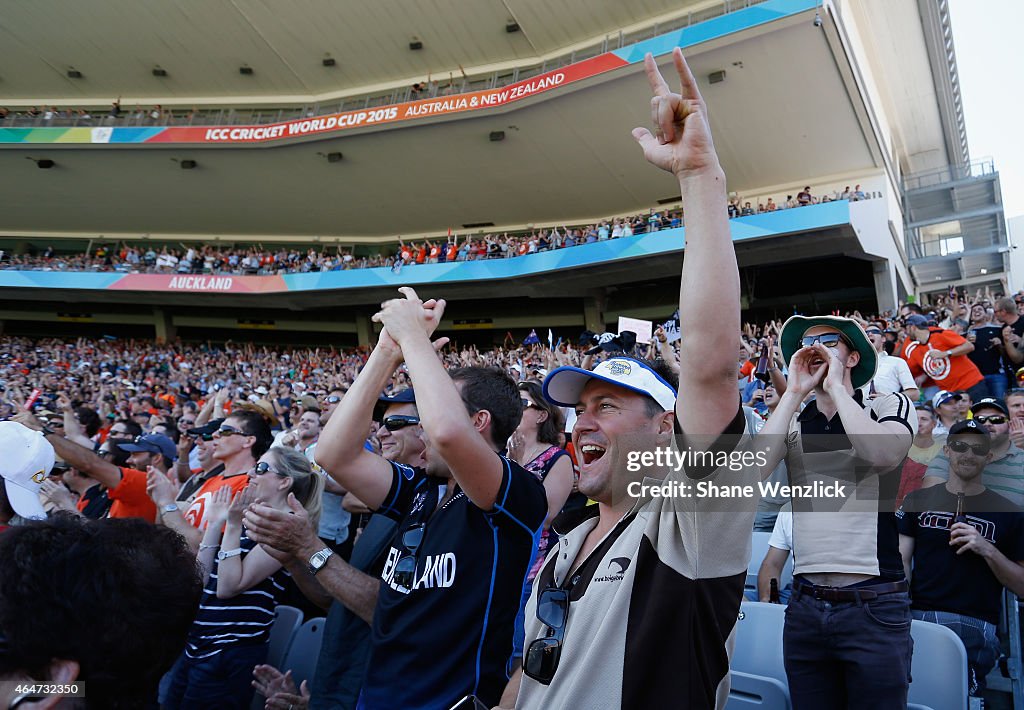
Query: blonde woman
243	585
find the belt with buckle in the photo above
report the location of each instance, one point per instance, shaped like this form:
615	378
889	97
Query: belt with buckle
850	594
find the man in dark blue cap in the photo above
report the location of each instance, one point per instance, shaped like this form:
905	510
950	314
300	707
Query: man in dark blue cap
154	450
346	644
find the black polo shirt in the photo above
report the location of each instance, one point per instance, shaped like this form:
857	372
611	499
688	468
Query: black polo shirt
451	634
855	533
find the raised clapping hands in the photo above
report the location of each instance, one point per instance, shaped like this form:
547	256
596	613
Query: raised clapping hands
681	143
217	507
408	317
239	504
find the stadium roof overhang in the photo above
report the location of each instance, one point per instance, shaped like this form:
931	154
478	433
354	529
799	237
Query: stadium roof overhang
788	109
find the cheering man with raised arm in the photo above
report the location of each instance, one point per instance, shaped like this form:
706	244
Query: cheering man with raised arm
635	607
468	521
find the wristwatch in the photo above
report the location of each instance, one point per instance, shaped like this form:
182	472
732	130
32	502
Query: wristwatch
169	508
319	559
224	554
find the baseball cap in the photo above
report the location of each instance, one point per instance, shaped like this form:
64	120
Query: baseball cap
917	320
565	384
308	401
406	396
941	397
154	444
988	402
28	458
207	428
967	426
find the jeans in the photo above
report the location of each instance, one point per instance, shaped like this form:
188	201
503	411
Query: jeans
980	642
223	680
997	385
848	655
979	391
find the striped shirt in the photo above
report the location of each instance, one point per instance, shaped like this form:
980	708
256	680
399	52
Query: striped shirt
243	620
1004	476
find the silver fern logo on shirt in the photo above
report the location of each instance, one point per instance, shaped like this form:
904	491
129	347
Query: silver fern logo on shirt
617	567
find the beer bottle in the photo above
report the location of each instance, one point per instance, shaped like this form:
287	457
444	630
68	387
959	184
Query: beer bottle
959	516
773	591
764	362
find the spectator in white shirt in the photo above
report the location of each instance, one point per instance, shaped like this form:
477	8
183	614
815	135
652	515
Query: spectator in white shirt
893	373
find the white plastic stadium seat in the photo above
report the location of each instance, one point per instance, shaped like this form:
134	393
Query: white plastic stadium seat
305	650
753	691
286	622
758	649
939	668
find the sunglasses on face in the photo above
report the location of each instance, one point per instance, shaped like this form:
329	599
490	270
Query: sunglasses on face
263	467
333	399
405	568
527	404
226	430
962	446
399	421
541	658
990	419
873	331
829	340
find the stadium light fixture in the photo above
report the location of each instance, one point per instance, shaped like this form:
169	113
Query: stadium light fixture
74	73
511	26
496	136
245	70
415	44
328	61
157	71
41	163
188	164
334	157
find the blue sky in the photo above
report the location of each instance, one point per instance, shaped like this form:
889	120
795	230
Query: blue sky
990	60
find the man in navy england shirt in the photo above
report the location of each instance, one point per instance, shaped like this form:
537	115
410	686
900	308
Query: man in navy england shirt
961	566
468	521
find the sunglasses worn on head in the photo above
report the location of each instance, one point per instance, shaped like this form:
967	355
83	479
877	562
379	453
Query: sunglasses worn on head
962	446
399	421
541	658
829	340
405	569
990	419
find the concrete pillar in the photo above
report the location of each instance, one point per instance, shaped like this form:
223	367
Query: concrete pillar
594	306
164	324
885	285
364	329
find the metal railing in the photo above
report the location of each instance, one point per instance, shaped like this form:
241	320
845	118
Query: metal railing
954	245
983	167
99	116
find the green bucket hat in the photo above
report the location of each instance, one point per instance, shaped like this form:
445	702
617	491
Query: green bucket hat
793	332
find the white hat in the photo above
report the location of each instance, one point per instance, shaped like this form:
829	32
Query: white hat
565	384
27	459
261	390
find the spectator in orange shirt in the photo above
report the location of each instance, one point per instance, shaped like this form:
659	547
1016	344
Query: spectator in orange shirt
238	444
945	360
126	487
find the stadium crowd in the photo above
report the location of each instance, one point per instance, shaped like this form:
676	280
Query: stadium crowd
460	469
283	259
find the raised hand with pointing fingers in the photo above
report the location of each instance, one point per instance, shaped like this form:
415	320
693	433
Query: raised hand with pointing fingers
681	142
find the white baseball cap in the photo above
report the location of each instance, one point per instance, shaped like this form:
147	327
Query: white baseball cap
565	384
27	459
